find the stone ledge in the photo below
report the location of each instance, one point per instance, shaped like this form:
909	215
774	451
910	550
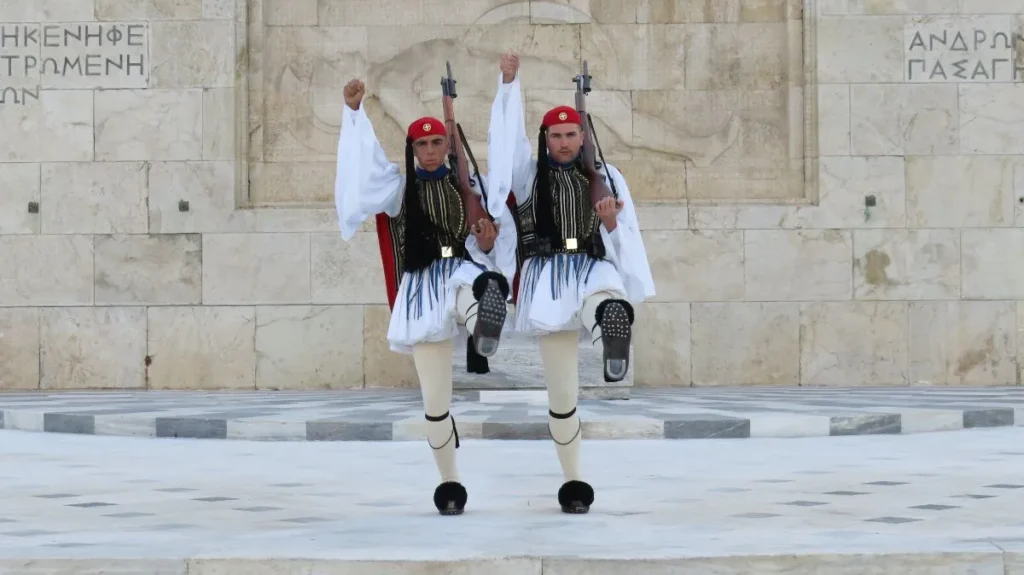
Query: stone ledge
980	562
514	415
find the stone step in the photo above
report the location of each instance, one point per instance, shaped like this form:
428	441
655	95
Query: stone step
397	415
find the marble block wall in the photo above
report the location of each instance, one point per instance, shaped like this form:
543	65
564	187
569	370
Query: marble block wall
831	191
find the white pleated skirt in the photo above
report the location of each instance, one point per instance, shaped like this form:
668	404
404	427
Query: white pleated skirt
425	305
552	290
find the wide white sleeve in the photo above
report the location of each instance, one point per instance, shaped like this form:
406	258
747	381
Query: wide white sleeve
366	183
624	246
502	258
510	164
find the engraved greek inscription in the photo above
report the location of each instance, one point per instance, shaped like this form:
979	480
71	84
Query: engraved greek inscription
85	55
136	34
76	55
962	49
18	95
18	35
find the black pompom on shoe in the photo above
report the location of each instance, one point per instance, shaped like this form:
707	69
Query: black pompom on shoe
450	498
576	497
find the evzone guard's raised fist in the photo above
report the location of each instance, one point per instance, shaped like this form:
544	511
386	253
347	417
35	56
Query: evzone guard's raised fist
485	232
509	66
354	92
608	210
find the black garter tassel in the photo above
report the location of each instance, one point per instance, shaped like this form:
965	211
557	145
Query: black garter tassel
475	363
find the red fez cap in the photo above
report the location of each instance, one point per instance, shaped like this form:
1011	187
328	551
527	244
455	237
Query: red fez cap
426	127
561	115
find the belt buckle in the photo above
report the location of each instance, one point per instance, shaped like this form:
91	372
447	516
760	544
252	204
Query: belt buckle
570	243
447	252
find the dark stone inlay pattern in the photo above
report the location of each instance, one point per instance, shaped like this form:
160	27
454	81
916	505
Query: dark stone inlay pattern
988	417
935	507
69	423
28	533
91	504
892	520
348	431
191	428
702	426
521	430
129	515
866	424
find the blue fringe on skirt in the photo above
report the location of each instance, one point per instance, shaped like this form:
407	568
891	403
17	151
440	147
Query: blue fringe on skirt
432	283
566	270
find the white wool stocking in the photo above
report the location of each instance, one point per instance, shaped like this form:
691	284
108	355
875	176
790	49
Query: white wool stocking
465	307
588	314
434	368
559	352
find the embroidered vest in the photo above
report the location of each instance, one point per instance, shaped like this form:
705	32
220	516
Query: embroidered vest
576	222
442	205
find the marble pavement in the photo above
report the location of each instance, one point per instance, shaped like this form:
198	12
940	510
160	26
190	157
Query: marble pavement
937	503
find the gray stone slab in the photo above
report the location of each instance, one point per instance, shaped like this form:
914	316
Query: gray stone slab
69	423
192	428
515	430
866	424
239	413
117	411
991	417
703	426
347	431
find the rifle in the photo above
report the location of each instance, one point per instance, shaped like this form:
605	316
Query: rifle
598	189
457	149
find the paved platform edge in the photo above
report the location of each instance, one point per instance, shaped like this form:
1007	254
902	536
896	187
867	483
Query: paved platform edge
982	559
685	426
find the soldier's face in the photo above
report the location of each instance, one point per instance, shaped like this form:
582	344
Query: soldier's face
564	142
430	151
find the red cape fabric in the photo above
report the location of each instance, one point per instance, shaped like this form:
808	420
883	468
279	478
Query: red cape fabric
386	243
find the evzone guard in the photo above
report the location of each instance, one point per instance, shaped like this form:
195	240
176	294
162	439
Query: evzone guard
582	260
446	263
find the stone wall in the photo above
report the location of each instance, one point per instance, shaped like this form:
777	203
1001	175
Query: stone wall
832	191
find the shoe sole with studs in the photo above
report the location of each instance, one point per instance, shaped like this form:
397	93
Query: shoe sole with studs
490	319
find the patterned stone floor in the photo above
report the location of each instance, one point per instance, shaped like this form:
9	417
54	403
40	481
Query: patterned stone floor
689	413
946	503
